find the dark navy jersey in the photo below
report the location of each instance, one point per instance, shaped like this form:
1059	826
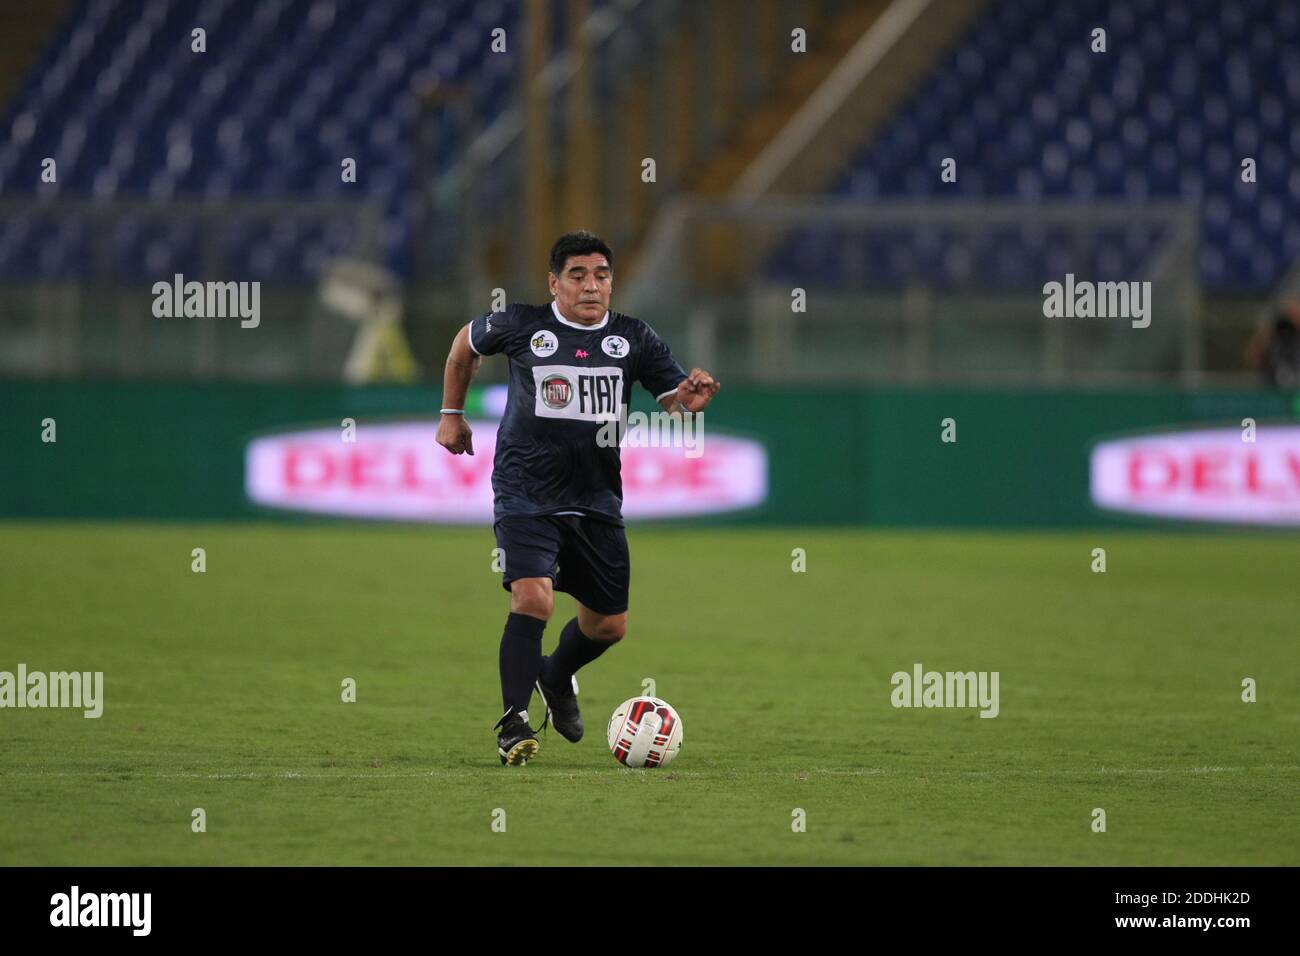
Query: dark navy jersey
567	382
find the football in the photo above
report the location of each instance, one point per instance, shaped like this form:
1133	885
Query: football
645	732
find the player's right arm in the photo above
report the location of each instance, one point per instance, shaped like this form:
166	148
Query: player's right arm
454	433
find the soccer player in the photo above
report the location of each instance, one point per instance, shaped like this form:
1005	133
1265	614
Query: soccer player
558	491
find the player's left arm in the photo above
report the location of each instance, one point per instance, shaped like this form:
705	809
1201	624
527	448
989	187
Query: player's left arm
667	381
693	393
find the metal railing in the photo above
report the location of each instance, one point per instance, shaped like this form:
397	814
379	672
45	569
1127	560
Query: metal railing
724	277
91	311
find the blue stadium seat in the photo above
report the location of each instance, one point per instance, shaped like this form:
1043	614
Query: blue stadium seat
1185	91
286	89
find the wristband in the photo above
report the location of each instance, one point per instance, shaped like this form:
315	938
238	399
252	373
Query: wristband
451	411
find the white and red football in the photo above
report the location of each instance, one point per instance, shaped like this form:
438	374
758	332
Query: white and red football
645	732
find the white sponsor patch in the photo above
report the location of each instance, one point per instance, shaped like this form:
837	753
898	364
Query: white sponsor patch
614	346
544	343
579	394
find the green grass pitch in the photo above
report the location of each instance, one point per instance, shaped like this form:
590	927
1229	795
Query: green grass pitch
222	691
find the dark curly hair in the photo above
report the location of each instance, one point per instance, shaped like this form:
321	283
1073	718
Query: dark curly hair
581	243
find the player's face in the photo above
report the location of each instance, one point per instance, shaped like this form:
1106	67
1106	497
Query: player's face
582	292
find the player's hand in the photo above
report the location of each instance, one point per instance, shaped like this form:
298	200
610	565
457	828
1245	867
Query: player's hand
455	435
697	390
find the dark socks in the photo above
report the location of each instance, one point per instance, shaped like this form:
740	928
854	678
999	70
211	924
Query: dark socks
575	651
521	659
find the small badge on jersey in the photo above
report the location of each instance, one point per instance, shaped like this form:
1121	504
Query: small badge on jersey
544	343
614	346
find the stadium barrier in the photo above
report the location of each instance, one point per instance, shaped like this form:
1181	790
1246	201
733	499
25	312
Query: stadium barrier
925	293
89	304
845	455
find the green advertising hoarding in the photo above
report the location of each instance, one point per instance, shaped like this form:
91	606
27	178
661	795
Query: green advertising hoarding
1014	458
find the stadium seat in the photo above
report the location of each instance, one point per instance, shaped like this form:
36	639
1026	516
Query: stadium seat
1185	91
286	89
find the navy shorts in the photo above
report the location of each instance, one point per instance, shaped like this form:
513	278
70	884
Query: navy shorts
584	557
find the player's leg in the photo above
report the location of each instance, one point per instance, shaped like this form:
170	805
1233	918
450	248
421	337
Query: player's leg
603	628
531	605
529	546
596	570
583	639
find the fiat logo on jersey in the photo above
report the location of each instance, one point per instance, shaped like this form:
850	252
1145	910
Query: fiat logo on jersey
614	345
557	391
544	343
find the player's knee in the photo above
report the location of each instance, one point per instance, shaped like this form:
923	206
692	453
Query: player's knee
533	598
536	605
610	628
